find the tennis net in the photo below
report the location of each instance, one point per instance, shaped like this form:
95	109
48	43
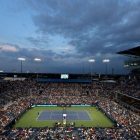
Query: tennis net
64	110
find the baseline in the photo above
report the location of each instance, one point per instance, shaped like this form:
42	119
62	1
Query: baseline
39	115
89	115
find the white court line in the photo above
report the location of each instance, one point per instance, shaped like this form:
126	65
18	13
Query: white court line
61	120
71	114
89	115
77	114
57	114
50	114
39	115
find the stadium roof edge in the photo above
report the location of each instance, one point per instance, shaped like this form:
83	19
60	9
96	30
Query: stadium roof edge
134	52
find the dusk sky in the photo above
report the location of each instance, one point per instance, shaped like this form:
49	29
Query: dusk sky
65	34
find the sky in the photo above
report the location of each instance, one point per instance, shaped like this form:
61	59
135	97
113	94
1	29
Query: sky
65	34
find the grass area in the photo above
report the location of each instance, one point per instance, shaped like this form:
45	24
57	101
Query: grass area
29	118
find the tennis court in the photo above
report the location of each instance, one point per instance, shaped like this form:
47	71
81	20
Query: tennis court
76	115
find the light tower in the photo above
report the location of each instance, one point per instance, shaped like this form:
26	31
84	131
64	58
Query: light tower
106	61
21	59
91	61
37	60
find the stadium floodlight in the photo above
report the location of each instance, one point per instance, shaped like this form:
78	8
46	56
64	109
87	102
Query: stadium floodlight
21	59
91	61
37	59
106	61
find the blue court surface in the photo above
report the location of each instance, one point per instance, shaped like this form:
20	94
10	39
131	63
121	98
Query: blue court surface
58	116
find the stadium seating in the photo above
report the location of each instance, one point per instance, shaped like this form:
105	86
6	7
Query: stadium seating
21	95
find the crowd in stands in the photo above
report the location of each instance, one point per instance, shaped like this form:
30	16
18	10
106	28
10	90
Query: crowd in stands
11	91
129	87
120	114
73	133
22	94
107	133
13	111
55	133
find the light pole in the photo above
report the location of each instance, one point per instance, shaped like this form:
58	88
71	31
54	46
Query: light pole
91	61
21	59
37	59
106	61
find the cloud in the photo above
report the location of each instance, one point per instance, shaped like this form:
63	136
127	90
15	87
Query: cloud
38	41
55	63
92	27
8	48
65	48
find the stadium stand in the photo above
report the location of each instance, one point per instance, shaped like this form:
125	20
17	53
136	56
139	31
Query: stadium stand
16	97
